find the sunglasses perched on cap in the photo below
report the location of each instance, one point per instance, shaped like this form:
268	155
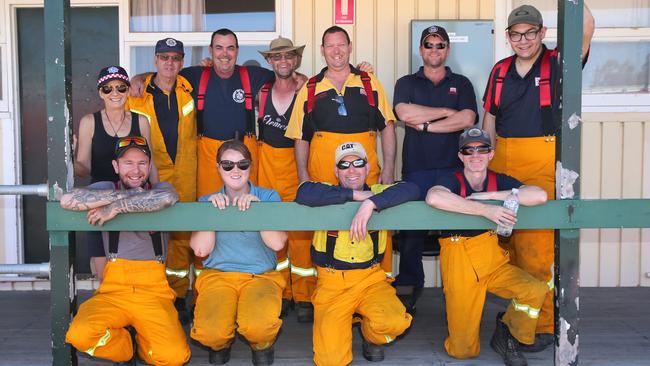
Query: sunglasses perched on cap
481	149
359	163
131	141
229	165
438	46
122	88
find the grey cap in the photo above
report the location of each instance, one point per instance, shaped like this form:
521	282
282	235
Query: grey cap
474	134
526	14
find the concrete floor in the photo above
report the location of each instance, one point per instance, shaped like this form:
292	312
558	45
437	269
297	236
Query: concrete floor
614	330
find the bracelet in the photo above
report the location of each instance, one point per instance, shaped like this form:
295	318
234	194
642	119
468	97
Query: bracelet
426	126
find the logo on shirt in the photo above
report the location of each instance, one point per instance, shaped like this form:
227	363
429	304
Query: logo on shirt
453	91
363	92
537	81
238	96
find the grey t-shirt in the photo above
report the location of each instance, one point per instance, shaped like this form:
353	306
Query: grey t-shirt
134	245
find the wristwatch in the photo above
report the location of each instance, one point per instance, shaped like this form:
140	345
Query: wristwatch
426	126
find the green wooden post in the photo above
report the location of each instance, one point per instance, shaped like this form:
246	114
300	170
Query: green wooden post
567	253
59	172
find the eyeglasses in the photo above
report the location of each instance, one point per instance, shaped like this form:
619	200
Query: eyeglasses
126	141
359	163
122	88
228	165
286	56
438	46
341	110
176	58
530	35
481	149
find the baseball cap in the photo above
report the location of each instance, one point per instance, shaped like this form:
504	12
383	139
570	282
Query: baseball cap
526	14
112	73
282	44
350	148
434	30
169	45
474	134
131	142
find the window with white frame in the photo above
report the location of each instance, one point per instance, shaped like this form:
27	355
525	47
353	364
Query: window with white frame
617	75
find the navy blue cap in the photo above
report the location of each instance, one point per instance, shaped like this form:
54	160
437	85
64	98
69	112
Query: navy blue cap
170	45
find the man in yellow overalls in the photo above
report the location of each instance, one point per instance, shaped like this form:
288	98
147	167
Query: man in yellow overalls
519	104
342	104
168	105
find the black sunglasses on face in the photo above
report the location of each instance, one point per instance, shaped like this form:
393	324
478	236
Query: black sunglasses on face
438	46
176	58
359	163
228	165
481	149
109	89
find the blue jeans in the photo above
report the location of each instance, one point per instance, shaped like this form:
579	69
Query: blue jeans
411	271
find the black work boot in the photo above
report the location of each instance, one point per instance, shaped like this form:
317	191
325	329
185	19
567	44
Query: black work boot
372	352
263	357
305	312
506	345
542	340
183	314
286	304
133	360
219	357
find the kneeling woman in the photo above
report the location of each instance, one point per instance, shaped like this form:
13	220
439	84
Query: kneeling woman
239	288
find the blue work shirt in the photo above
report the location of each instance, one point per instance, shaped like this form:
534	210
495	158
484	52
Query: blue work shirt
243	251
425	150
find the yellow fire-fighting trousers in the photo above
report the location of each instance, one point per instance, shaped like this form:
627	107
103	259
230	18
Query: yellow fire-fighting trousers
208	178
470	267
532	161
277	170
321	168
133	293
247	303
341	293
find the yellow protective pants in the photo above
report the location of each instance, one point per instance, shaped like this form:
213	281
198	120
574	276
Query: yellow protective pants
321	168
208	178
179	258
133	293
277	170
341	293
532	161
470	267
245	302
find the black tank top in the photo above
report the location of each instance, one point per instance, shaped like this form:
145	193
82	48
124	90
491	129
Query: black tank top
103	150
272	125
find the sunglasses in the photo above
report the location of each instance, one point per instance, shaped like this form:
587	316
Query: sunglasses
359	163
341	110
286	56
438	46
130	141
481	149
122	88
177	58
229	165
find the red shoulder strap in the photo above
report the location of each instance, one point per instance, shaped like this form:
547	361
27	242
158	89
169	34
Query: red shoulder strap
264	92
461	181
492	181
367	86
246	85
545	80
203	86
503	70
311	91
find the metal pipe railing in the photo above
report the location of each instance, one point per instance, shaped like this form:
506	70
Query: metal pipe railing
26	189
41	269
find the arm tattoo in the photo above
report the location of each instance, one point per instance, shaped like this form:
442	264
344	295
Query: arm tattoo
82	199
146	201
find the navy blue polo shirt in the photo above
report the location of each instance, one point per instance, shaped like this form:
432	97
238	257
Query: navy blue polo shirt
166	107
224	110
519	114
425	150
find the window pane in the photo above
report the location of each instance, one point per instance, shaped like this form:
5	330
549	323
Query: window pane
621	67
142	57
608	13
0	73
202	15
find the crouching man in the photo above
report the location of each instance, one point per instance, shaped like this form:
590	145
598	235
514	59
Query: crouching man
472	262
350	279
135	292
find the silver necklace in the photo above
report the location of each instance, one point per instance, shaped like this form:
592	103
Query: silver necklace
111	123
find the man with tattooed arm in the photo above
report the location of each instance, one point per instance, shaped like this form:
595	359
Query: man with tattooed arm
135	295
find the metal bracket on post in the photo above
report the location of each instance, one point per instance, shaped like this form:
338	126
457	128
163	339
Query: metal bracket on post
58	86
567	241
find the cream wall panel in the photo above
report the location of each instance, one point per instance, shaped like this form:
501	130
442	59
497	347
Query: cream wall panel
487	9
631	188
364	32
303	33
322	19
427	9
590	188
468	9
448	9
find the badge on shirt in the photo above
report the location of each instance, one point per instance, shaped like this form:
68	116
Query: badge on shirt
362	91
453	91
537	81
238	96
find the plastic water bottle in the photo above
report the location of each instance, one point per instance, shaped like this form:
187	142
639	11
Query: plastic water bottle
511	203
